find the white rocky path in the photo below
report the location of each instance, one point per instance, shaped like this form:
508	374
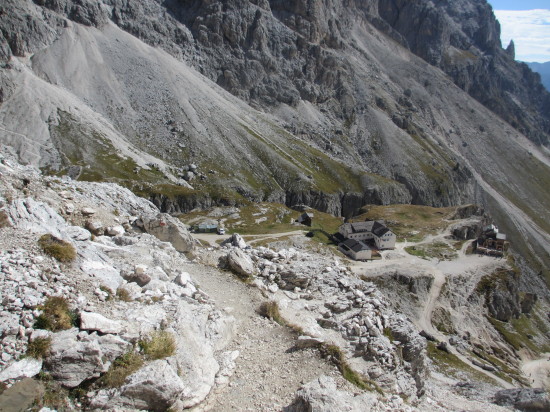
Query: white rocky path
268	370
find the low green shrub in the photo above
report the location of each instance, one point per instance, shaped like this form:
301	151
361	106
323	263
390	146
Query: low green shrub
59	249
270	310
39	348
56	315
159	345
123	295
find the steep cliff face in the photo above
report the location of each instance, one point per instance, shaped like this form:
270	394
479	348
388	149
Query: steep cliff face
463	39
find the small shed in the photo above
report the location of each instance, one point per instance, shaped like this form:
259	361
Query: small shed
305	218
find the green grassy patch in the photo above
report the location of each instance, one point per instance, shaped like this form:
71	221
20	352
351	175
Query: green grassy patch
120	369
97	157
515	333
268	218
449	364
54	397
504	370
410	222
438	250
336	356
59	249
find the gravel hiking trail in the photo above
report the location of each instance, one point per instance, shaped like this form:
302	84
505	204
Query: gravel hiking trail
268	371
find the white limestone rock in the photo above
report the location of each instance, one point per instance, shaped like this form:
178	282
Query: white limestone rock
34	216
155	285
25	368
95	226
96	322
235	240
77	233
182	279
156	387
322	395
117	230
88	211
104	272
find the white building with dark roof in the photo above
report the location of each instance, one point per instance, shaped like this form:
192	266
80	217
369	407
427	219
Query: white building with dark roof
382	236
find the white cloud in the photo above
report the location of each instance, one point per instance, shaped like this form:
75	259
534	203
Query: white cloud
530	30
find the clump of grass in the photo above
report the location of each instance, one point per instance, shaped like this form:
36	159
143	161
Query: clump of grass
123	295
159	345
57	248
388	334
270	310
120	369
336	356
56	315
108	291
39	348
54	397
4	221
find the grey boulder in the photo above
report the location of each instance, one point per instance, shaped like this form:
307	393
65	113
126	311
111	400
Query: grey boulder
240	263
169	229
71	361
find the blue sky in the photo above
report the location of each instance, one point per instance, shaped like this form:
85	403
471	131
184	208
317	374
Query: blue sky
519	5
527	22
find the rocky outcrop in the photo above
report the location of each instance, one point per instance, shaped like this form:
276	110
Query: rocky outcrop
501	290
71	361
526	400
322	395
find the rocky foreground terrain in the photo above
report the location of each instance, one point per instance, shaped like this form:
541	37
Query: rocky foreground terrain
140	281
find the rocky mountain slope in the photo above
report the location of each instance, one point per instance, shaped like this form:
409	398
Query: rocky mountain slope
200	103
141	317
